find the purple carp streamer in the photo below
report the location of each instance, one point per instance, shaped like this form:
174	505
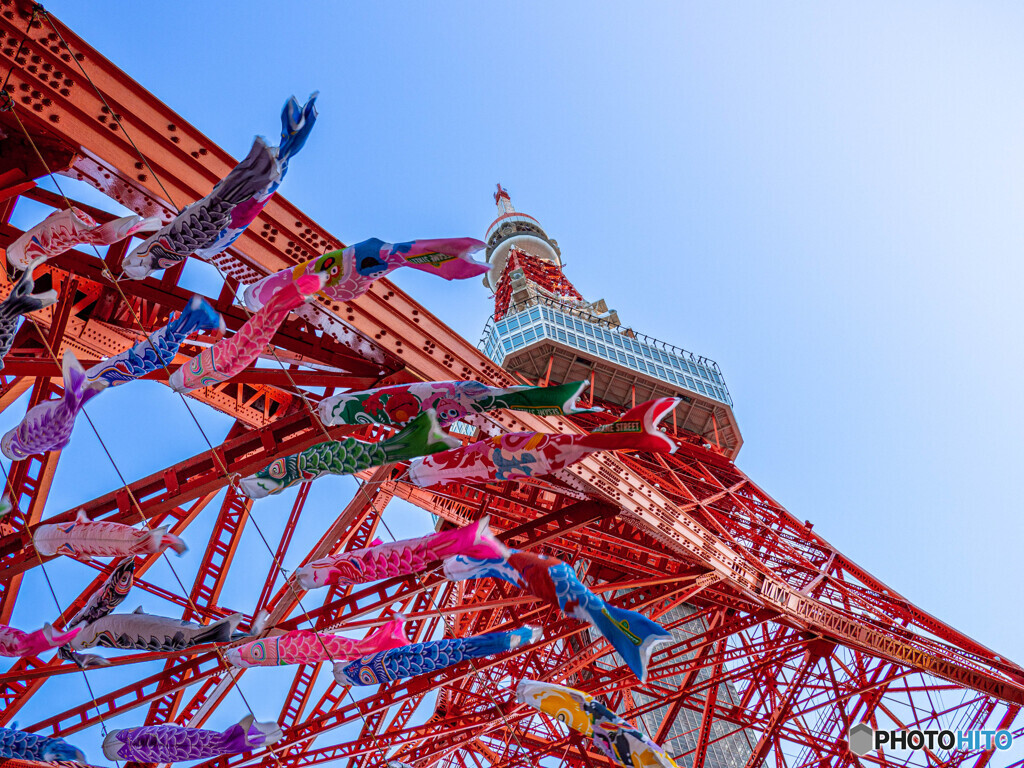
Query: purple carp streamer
208	226
159	349
401	558
621	742
16	643
21	745
432	656
450	400
173	743
65	229
47	426
20	302
83	538
229	357
305	647
111	594
350	272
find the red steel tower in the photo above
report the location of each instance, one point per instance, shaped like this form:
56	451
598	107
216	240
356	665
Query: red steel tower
782	643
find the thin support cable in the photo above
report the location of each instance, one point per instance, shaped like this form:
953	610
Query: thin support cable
7	99
195	609
113	114
216	456
60	612
287	373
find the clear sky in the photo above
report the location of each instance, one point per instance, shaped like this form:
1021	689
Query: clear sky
826	200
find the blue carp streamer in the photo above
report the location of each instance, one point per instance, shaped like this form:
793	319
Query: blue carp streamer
422	658
159	349
22	745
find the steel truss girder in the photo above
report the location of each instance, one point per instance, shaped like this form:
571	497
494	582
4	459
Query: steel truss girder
692	518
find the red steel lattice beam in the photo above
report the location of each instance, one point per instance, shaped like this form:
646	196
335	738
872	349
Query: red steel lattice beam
684	518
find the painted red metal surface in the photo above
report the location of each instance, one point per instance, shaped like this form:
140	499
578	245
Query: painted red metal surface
545	274
781	641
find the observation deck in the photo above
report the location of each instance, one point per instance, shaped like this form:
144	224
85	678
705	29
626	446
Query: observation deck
545	339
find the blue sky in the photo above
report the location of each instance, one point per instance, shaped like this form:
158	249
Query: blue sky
826	200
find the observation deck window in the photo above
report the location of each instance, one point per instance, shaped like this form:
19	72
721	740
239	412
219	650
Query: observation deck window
638	353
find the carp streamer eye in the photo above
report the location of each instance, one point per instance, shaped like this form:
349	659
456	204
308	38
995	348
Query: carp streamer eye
259	652
450	414
277	470
369	265
366	676
329	265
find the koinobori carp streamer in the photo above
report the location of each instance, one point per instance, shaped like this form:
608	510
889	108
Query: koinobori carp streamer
431	656
450	400
143	631
159	349
401	558
621	742
305	647
208	226
17	643
519	455
65	229
232	355
19	302
348	273
21	745
82	538
48	425
112	593
174	743
348	456
632	634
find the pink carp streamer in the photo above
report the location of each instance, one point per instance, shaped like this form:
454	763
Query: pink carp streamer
350	271
63	230
304	647
229	357
400	558
519	455
15	642
83	538
173	743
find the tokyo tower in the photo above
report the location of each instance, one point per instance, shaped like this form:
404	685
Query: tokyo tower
781	643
